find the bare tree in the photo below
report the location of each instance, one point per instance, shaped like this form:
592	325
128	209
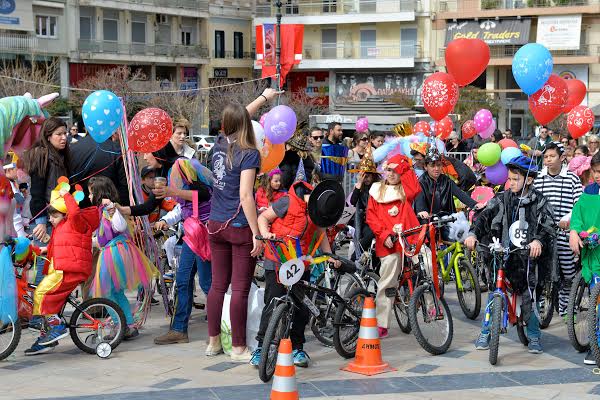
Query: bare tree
187	105
223	92
18	78
303	105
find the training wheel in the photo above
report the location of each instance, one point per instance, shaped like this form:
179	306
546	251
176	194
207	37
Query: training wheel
103	350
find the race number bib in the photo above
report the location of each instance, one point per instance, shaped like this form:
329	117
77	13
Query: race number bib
291	272
346	215
518	234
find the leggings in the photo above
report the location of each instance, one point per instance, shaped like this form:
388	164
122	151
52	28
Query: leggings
120	298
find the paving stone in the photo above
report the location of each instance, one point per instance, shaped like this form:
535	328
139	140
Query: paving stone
422	368
169	383
224	366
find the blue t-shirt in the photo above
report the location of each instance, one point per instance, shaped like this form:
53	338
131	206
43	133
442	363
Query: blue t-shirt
226	186
594	188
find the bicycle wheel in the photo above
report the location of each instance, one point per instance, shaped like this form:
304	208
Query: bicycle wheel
433	330
577	310
547	304
371	279
347	323
592	323
349	283
496	311
10	335
322	326
95	321
276	330
470	295
401	307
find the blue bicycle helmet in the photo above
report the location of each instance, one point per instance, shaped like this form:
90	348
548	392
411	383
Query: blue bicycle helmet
525	164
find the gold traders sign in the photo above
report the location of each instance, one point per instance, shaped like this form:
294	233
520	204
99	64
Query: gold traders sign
494	33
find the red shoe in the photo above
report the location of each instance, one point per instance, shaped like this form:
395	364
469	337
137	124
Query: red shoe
383	332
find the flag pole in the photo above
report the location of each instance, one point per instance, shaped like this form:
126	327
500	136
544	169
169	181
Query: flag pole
278	4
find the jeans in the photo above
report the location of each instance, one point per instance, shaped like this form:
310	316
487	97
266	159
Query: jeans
230	250
39	265
189	264
532	328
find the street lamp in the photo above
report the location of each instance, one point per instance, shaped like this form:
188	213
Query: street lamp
278	16
509	101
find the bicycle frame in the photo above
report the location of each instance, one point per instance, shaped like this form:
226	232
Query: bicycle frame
510	301
457	250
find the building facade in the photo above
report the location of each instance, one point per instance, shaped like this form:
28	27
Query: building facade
360	57
568	28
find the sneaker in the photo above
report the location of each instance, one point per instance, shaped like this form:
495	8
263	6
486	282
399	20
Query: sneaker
589	358
172	337
131	333
301	359
154	302
534	346
56	333
212	351
36	324
483	341
255	360
37	348
383	332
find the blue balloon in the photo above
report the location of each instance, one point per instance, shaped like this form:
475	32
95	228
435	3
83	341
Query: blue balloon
380	153
509	153
406	149
531	67
102	113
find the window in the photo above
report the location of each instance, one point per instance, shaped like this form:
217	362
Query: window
408	42
138	28
368	43
45	26
110	24
329	6
238	45
328	43
219	44
186	36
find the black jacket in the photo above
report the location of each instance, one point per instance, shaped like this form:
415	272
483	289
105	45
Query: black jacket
289	167
86	160
437	196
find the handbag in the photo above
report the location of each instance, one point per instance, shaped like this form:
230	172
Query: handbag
196	233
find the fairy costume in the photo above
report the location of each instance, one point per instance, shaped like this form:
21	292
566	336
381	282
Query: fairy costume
121	264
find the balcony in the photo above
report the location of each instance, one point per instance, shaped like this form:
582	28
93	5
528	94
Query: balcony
186	8
230	55
339	11
18	43
465	9
380	55
136	51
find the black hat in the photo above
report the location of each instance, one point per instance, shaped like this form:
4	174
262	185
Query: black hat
326	203
147	170
166	157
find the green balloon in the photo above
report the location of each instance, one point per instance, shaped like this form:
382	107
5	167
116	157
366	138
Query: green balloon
489	154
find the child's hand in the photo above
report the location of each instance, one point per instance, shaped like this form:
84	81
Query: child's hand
470	242
564	224
160	226
388	242
575	242
62	191
535	249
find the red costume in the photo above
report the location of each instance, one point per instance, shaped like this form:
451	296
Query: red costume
166	205
263	201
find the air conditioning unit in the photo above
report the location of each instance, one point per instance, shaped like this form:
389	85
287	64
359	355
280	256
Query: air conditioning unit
162	19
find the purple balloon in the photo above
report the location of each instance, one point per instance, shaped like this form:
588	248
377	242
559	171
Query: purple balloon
489	131
280	124
497	174
482	120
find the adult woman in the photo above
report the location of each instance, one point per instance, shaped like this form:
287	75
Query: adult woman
181	131
377	139
359	143
233	224
454	145
45	162
593	144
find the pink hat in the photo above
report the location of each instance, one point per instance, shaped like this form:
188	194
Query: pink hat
580	164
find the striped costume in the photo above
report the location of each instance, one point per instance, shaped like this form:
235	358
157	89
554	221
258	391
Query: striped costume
562	191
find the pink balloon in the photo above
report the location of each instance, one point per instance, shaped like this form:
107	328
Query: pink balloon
483	119
362	125
489	131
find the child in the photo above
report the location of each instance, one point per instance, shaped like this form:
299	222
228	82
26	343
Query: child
524	209
121	264
389	207
562	188
270	190
70	264
167	205
586	214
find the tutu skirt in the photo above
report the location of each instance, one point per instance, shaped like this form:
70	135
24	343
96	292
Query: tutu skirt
121	266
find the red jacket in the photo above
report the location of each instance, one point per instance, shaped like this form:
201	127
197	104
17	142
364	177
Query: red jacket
263	201
386	210
70	245
296	223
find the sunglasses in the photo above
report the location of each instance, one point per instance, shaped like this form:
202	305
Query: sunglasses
364	139
317	137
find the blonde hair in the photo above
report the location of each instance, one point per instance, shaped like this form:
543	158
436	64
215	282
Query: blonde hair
181	122
237	127
398	188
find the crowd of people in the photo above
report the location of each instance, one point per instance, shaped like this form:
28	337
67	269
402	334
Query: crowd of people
224	205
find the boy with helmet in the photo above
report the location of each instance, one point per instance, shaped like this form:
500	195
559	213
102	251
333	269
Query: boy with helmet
520	216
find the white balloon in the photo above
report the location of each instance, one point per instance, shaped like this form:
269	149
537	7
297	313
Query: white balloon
259	134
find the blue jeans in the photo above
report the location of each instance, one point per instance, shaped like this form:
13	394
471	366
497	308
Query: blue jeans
189	264
39	265
532	327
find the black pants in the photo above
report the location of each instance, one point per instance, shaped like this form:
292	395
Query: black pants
301	315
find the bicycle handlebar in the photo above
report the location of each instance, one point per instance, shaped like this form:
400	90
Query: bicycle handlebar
264	239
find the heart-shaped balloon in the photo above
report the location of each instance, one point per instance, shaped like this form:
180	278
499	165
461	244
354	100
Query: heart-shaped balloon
547	103
468	129
439	94
101	113
467	59
577	91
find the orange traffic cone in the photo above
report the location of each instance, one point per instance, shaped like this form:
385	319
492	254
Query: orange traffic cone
284	381
368	359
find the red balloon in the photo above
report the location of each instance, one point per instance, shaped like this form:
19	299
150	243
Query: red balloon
580	121
466	59
577	91
422	126
440	94
150	130
468	129
506	143
547	103
443	128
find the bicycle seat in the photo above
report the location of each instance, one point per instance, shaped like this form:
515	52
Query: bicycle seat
347	267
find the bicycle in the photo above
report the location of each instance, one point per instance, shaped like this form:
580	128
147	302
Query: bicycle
593	323
502	305
577	311
348	311
426	306
97	326
166	281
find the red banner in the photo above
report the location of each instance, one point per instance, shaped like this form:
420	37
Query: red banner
292	37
